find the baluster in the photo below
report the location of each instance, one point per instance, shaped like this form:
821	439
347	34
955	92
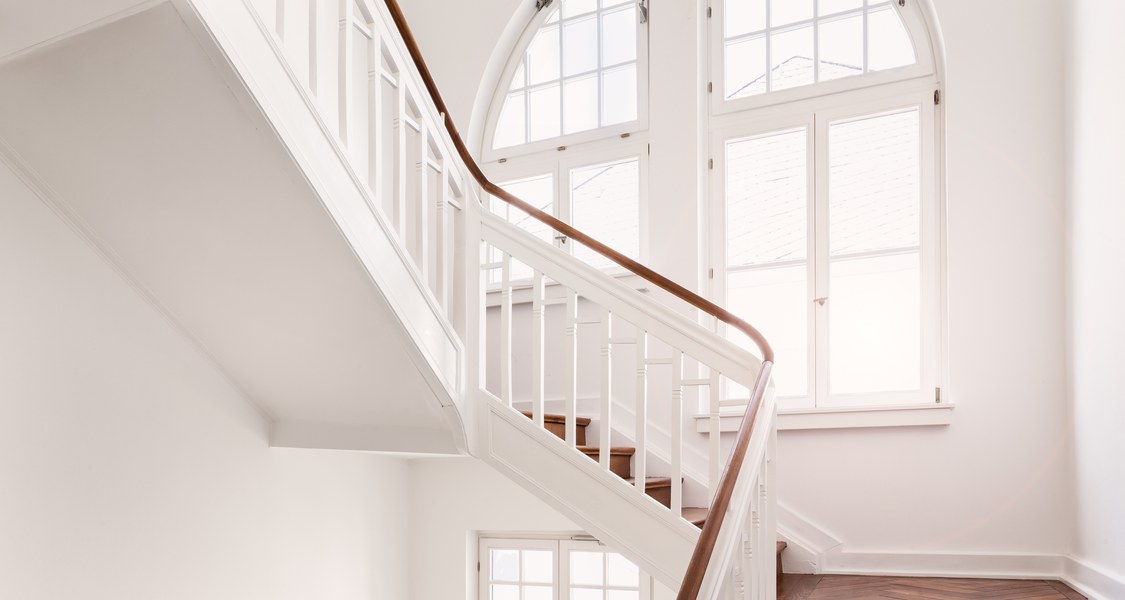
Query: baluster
506	328
677	431
640	457
400	160
754	547
770	522
422	204
606	388
537	347
374	113
570	368
279	21
715	441
345	69
314	52
445	239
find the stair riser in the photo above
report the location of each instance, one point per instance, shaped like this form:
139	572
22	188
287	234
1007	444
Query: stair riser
618	464
662	495
559	429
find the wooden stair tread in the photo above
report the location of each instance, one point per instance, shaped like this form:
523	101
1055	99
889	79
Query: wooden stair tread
652	482
695	515
615	450
552	418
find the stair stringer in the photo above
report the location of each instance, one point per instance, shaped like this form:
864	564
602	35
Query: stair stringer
603	504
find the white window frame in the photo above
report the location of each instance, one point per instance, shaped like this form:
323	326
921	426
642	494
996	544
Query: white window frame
815	114
560	546
908	10
488	154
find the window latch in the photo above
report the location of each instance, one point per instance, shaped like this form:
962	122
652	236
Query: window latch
560	238
541	4
642	6
821	301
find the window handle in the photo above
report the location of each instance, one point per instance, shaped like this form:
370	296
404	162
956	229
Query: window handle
561	238
821	301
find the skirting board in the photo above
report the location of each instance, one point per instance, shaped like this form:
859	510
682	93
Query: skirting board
992	566
1096	583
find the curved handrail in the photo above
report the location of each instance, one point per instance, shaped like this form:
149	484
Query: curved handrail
697	567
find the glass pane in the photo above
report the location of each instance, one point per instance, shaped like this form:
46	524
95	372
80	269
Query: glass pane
543	56
874	183
571	8
584	594
767	199
776	300
791	58
580	104
609	3
622	595
874	324
745	67
783	12
519	78
619	37
606	204
505	592
828	7
743	16
841	48
619	571
544	113
619	95
505	565
538	566
510	125
586	568
580	46
888	43
538	593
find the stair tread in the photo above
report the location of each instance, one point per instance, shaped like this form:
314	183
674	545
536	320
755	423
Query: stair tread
695	514
618	450
652	482
553	418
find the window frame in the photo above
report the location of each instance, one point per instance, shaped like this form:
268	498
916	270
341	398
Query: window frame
560	547
912	18
629	128
815	114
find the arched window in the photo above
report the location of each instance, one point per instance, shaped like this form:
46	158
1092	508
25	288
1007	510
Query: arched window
566	129
825	200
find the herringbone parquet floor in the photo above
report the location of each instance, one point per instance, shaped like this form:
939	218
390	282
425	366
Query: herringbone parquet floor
849	587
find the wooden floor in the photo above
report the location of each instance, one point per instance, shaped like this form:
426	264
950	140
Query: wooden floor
852	587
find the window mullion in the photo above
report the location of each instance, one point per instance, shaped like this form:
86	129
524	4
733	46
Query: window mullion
819	260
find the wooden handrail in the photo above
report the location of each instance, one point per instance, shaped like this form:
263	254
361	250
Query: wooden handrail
705	546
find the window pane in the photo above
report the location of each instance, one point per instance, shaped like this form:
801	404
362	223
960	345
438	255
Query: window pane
543	56
544	113
767	198
538	566
505	565
580	46
605	201
619	37
585	594
888	42
828	7
586	568
505	592
874	183
518	79
538	593
783	12
571	8
619	99
841	48
580	104
745	67
620	572
744	16
776	301
622	595
791	58
510	125
874	324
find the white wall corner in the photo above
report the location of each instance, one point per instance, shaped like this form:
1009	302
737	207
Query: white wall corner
1093	581
807	542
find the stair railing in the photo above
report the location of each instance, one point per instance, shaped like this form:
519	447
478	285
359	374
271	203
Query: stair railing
401	143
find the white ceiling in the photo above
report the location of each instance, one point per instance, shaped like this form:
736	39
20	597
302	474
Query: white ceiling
25	23
180	177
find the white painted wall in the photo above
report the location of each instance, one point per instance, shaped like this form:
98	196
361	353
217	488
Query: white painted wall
993	481
132	467
1096	321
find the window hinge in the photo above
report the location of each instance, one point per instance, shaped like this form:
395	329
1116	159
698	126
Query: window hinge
708	12
642	6
648	149
710	87
541	4
478	566
711	273
937	96
710	163
902	2
937	395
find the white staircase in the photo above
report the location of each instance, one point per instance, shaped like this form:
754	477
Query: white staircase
338	83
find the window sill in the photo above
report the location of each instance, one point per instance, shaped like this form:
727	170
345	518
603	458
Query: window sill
844	418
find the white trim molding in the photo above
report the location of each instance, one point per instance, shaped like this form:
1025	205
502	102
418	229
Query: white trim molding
1094	582
923	415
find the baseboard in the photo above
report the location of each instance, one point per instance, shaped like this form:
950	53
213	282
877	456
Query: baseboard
1094	582
990	566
